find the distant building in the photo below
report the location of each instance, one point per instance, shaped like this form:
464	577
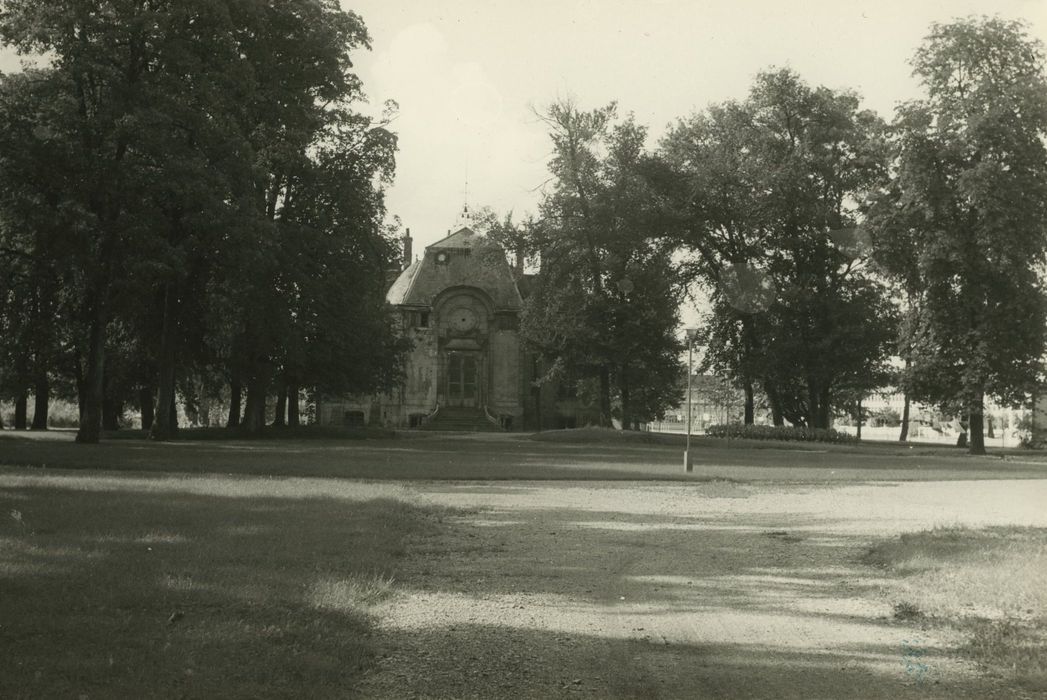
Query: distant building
714	401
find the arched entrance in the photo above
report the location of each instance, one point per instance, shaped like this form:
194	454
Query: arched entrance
463	319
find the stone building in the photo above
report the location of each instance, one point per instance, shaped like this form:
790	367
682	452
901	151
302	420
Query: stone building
460	305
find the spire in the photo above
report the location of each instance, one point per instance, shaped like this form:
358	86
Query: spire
465	218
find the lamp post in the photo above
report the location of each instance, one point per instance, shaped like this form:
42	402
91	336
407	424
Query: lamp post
691	334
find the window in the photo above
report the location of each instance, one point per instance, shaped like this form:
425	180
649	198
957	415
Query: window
507	322
416	319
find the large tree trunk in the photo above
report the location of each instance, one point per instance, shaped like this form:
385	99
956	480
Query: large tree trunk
976	427
279	420
750	403
627	409
173	407
21	410
111	412
235	397
293	418
145	406
605	397
904	435
94	386
825	414
775	399
42	400
812	405
254	410
81	390
166	424
861	419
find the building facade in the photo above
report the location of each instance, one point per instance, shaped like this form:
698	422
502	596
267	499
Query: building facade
460	306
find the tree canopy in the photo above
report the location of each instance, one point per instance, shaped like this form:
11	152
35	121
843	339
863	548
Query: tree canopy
964	227
766	198
205	195
605	305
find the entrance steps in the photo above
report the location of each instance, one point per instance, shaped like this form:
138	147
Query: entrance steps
469	420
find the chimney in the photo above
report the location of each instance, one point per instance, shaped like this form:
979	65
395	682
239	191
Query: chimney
407	249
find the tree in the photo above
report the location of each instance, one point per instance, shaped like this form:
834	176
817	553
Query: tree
766	201
604	305
964	224
214	191
113	62
35	241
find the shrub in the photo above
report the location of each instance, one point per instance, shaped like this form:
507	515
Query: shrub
776	432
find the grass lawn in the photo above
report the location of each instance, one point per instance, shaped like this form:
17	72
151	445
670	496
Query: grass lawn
990	583
556	455
153	591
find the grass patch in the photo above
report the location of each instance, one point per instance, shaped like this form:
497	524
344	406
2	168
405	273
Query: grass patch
1011	648
269	432
907	611
135	593
988	582
599	436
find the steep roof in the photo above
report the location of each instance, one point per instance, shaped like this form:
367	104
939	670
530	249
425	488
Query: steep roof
463	238
398	292
462	259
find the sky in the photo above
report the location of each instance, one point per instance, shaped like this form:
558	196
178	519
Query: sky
469	75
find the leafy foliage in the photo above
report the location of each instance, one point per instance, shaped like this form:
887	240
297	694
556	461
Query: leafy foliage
605	303
765	199
963	227
195	181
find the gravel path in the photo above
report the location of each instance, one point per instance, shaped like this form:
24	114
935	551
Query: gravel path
714	590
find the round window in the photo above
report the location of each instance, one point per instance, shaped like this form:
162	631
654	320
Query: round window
463	319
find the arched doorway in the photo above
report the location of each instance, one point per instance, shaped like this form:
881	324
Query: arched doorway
463	320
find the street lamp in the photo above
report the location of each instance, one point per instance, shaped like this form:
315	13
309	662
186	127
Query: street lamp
692	333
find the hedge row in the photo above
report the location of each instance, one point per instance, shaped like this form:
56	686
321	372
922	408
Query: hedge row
775	432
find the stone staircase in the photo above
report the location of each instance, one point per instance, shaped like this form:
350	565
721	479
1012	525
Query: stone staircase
453	418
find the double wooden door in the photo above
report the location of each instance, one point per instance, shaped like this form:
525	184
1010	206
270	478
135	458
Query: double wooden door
463	378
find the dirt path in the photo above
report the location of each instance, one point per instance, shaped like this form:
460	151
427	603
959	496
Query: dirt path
544	590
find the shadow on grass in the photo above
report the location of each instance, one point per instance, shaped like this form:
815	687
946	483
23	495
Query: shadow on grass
130	594
562	602
987	582
539	664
